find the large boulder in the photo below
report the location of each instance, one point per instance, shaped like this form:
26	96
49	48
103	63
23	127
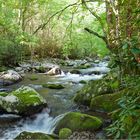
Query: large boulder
9	77
78	122
107	102
95	88
35	136
24	101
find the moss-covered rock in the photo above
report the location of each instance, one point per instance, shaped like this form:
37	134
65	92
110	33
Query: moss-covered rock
53	86
33	78
33	136
75	71
78	122
64	133
83	66
83	82
40	69
23	101
107	102
95	88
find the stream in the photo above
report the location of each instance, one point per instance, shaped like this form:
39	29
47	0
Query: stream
59	101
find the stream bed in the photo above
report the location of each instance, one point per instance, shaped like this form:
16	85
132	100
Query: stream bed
59	101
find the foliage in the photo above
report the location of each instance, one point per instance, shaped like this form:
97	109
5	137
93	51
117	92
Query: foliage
127	124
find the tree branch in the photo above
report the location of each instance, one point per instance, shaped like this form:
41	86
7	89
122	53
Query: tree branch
52	16
99	36
95	15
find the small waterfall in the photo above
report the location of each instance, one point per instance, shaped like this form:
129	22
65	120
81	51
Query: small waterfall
42	123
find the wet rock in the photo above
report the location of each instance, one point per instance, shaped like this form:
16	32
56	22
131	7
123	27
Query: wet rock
9	77
78	122
74	71
95	88
40	69
107	102
54	71
18	69
84	135
53	86
33	78
64	133
83	66
83	82
24	101
34	136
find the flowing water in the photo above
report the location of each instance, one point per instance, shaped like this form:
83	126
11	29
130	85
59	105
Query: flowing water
59	102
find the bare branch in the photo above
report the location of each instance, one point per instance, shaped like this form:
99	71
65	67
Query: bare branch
99	36
95	15
58	12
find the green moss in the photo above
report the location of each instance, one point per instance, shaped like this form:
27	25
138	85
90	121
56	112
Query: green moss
3	94
33	78
28	96
2	68
95	88
64	133
32	136
75	71
78	122
24	100
83	82
85	66
107	102
40	69
53	86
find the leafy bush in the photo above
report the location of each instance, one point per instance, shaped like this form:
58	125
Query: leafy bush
127	123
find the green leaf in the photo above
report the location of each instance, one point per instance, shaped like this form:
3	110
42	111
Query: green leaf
135	51
125	46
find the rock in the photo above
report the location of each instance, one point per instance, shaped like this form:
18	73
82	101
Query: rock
54	71
78	122
33	78
64	133
83	66
107	102
84	135
24	101
74	71
53	86
94	88
34	136
83	82
18	69
40	69
9	77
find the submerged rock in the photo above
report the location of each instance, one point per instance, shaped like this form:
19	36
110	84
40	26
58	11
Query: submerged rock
78	122
35	136
53	86
33	78
24	101
9	77
64	133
